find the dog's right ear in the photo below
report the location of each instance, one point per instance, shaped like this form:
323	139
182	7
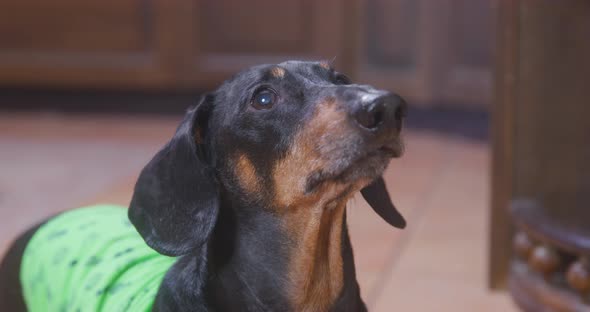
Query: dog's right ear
176	199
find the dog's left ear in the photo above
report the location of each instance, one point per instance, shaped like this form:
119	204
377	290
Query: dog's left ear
378	198
176	199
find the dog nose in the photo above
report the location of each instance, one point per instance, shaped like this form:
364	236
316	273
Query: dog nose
382	111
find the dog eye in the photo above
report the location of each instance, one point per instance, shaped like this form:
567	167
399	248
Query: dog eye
341	79
264	99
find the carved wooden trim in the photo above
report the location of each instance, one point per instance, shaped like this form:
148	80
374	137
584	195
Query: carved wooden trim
548	272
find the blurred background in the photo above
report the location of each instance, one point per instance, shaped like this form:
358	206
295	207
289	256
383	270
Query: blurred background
495	182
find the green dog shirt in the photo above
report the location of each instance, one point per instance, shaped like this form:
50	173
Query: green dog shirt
91	259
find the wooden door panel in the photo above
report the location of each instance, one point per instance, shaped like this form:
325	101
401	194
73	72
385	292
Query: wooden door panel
467	75
540	125
229	35
398	46
434	52
261	26
428	51
90	43
391	33
74	26
472	29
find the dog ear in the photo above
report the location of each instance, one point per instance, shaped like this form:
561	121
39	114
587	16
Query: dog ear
378	198
176	199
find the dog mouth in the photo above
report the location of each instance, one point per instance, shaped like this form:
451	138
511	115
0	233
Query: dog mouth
366	165
393	150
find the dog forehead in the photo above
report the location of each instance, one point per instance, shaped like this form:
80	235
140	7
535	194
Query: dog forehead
303	71
306	69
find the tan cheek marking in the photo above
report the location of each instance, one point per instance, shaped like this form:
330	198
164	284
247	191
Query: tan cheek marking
246	174
198	136
277	72
325	64
315	271
291	172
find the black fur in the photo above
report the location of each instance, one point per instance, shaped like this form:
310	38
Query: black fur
177	180
188	202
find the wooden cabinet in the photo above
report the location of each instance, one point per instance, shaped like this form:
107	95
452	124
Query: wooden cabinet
98	44
429	51
225	36
540	155
437	51
159	43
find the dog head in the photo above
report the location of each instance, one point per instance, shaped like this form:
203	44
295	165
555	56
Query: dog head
275	137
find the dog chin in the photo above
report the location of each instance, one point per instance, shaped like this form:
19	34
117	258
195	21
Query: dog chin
362	169
366	168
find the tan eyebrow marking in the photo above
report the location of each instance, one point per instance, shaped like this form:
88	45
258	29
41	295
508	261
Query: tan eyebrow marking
325	64
277	72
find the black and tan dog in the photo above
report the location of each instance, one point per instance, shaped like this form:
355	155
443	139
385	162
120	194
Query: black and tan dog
251	193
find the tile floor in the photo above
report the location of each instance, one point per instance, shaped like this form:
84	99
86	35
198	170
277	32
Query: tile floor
441	186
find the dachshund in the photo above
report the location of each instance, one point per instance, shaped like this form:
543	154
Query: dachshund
248	199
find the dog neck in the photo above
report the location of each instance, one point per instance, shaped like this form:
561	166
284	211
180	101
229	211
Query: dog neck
315	269
301	259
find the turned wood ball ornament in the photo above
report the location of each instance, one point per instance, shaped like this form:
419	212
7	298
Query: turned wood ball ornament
522	244
578	275
544	259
